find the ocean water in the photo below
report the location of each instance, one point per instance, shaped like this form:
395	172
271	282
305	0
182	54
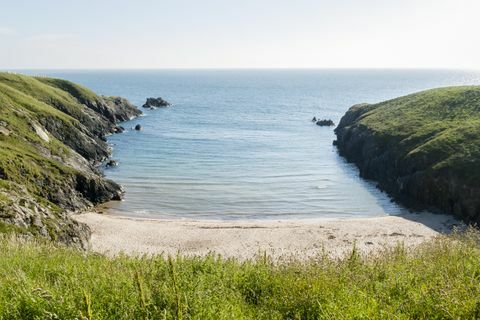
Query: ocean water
240	144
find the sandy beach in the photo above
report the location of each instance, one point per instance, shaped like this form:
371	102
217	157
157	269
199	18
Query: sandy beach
113	234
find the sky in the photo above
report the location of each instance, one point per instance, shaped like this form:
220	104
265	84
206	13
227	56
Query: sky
144	34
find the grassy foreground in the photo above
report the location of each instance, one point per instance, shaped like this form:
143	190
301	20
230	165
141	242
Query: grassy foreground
438	280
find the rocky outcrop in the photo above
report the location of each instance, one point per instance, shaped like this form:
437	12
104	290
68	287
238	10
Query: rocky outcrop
118	129
98	190
155	103
120	109
33	218
422	149
325	123
111	109
52	140
111	163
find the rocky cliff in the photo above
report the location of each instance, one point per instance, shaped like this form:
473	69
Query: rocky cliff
423	149
52	138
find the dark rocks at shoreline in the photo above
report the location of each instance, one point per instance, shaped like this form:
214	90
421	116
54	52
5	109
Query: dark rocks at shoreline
314	119
111	163
119	129
118	109
153	103
325	123
138	127
99	190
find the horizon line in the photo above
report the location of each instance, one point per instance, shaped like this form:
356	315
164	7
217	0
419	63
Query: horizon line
239	68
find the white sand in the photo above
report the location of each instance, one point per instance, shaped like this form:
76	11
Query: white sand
112	234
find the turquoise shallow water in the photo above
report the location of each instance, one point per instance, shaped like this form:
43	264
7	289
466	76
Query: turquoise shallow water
240	144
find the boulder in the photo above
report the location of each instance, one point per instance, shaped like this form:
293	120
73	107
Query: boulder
111	163
314	119
118	129
4	131
138	127
153	103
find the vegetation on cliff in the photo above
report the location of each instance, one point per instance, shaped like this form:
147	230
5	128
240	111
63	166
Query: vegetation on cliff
424	148
52	136
438	280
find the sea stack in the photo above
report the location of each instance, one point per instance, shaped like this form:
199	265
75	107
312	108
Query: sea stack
153	103
325	123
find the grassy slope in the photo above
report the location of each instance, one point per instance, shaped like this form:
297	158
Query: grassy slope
39	90
439	280
424	148
34	171
21	162
439	126
49	104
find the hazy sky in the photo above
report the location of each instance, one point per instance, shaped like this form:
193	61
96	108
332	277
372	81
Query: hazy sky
239	34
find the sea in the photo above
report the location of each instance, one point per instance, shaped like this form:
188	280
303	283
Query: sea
240	144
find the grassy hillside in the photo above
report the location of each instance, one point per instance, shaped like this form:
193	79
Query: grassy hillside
423	148
51	137
439	280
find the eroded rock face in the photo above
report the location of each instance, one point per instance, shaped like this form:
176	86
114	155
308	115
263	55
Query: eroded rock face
156	103
35	219
98	190
416	180
49	170
120	109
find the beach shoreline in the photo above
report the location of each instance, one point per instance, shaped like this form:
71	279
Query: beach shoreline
298	239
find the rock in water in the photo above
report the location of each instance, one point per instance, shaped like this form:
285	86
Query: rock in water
325	123
152	103
314	119
138	127
111	163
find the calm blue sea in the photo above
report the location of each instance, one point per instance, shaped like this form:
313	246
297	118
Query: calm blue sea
239	144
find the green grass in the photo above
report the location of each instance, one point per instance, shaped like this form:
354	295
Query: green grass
438	280
62	96
45	170
437	129
423	149
10	229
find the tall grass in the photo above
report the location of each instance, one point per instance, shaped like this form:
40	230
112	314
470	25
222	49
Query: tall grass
438	280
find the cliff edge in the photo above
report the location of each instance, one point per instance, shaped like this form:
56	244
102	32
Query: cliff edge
423	149
52	138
